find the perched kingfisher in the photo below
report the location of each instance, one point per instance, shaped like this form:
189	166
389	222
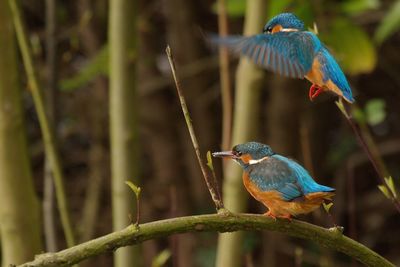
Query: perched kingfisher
281	184
287	48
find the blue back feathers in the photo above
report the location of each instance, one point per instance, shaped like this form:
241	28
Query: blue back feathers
304	178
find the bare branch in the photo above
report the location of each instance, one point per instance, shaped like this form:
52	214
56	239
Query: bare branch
330	238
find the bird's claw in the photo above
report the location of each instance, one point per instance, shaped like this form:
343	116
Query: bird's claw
315	91
273	216
270	214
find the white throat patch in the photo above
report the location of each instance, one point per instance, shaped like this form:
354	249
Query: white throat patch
256	161
289	30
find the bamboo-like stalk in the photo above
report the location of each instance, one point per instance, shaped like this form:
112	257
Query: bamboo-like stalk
330	238
245	126
122	35
47	131
51	98
20	228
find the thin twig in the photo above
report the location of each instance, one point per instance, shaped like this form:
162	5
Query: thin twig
223	222
213	192
376	162
225	80
47	131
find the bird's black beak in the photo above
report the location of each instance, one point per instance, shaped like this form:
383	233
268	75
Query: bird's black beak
224	154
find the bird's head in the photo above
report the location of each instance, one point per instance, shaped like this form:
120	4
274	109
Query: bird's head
247	153
284	22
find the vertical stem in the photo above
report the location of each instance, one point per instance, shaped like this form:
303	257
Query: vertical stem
47	131
206	174
122	34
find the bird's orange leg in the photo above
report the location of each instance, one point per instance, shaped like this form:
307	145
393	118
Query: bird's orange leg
315	91
273	216
270	214
288	217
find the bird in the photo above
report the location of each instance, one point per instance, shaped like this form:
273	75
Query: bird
287	48
280	183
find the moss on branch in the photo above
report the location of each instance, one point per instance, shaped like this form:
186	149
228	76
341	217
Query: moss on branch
222	222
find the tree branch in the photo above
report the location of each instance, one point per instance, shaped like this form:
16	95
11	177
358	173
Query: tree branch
131	235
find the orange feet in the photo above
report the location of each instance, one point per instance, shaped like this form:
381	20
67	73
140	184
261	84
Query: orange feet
287	216
315	91
270	214
273	216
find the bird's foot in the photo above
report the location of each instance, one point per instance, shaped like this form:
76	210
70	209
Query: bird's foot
273	216
287	216
270	214
315	91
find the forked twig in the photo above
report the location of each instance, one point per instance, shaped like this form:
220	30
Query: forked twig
206	174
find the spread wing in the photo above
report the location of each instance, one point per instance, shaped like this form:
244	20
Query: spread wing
274	174
287	53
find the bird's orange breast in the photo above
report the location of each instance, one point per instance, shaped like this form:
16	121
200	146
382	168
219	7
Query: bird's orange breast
316	76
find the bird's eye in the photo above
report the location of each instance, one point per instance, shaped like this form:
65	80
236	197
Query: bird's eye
268	30
238	153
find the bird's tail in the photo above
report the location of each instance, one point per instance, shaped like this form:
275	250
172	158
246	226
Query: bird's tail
319	197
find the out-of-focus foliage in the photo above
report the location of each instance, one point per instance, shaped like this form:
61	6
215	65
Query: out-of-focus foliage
161	258
276	7
351	46
389	24
355	7
375	111
234	8
98	65
205	257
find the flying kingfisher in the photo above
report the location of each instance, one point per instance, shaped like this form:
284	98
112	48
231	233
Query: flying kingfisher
281	184
287	48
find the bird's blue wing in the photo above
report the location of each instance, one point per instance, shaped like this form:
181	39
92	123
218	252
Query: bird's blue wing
287	53
331	70
303	178
285	176
274	175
